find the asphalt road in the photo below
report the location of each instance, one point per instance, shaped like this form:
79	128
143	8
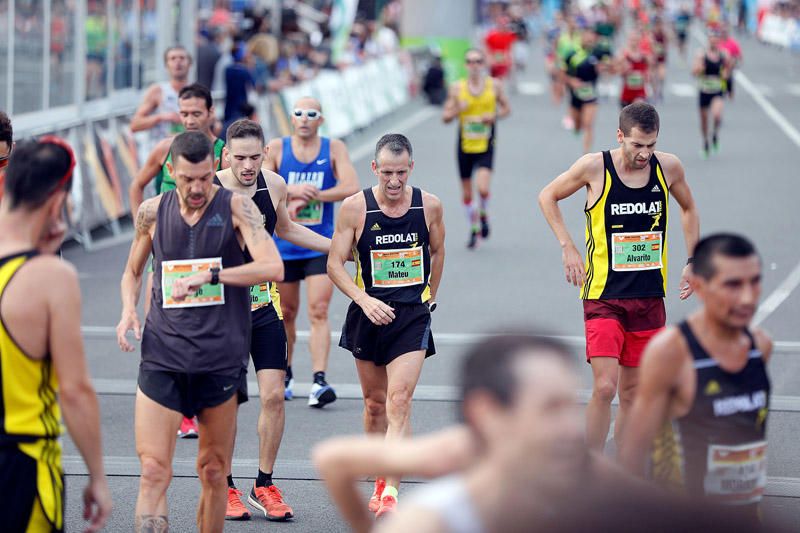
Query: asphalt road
513	280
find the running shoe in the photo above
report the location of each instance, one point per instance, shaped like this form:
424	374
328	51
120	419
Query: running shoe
188	428
388	506
269	501
484	227
321	395
235	509
473	240
287	389
375	499
715	145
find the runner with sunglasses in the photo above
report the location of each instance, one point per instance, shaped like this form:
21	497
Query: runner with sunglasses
477	101
318	172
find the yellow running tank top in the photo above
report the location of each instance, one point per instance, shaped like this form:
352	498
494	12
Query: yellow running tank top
28	404
475	136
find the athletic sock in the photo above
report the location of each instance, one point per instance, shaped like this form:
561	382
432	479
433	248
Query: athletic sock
263	479
289	373
474	219
484	206
469	209
319	378
230	482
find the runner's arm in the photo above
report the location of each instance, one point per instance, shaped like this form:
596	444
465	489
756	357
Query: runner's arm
287	229
560	188
143	118
146	174
451	106
343	461
434	212
764	343
274	153
662	362
503	105
690	218
267	264
131	284
697	66
341	248
345	173
76	394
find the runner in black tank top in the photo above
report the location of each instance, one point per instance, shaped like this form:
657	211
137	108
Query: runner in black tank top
704	385
268	346
197	336
396	233
710	68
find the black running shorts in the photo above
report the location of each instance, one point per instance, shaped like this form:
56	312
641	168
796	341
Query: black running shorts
24	490
189	394
467	163
410	331
299	269
268	340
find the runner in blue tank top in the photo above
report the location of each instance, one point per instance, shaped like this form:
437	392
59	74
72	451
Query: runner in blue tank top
318	172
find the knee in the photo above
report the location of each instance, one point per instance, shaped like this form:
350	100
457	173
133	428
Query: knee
375	405
156	473
604	390
272	400
211	468
318	311
289	311
400	402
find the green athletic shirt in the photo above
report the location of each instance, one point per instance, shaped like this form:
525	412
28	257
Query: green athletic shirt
164	181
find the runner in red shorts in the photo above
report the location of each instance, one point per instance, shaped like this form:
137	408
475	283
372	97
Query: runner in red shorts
623	280
634	67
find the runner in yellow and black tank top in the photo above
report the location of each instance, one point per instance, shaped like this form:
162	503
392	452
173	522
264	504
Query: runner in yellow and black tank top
30	425
474	135
626	238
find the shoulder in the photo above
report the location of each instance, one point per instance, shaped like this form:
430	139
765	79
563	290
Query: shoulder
353	204
338	147
590	165
667	350
163	146
55	268
153	92
670	164
275	145
431	202
763	342
497	84
275	181
148	210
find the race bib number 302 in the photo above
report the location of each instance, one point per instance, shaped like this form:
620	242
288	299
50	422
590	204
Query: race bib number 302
206	295
397	268
737	474
636	251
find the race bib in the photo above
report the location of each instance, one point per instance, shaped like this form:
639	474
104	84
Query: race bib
711	84
635	80
259	296
206	295
311	214
737	474
585	92
397	268
636	251
474	129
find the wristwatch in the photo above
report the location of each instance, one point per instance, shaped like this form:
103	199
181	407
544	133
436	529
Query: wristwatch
432	307
214	275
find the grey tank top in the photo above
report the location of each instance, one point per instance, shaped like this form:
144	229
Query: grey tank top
448	497
210	339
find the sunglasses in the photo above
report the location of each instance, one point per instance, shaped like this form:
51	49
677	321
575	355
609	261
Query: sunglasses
4	159
310	114
61	143
474	61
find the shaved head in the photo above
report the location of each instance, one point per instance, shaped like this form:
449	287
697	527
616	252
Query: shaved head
308	102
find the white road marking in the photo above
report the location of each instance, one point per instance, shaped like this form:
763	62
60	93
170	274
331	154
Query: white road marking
530	88
793	89
683	90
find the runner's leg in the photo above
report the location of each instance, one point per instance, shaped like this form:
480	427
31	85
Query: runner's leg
628	380
704	127
588	113
374	384
155	429
320	290
271	417
717	105
214	451
290	300
483	178
605	372
403	375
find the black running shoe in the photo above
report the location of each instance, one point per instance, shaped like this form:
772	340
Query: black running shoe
484	227
473	240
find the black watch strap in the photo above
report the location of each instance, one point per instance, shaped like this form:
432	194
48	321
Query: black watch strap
214	275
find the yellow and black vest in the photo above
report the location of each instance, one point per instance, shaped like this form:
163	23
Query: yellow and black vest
475	137
626	238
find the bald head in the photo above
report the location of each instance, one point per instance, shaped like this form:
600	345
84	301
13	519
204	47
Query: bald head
308	102
306	117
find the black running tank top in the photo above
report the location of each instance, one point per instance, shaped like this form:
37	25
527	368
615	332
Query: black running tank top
721	442
210	336
393	259
626	237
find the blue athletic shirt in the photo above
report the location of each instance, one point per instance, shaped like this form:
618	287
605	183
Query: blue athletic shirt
317	216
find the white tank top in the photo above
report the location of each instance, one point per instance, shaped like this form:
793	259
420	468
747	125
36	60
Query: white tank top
168	104
448	497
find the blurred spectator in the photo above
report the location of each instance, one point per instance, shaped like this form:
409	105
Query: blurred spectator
386	39
238	81
209	51
264	49
96	41
433	85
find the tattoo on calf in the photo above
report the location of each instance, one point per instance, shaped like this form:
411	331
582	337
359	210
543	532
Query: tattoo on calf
148	523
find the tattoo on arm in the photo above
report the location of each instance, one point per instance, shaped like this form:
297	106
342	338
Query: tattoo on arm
253	220
145	217
148	523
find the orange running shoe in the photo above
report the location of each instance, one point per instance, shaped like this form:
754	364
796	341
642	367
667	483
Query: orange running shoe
375	499
235	509
188	428
269	501
388	506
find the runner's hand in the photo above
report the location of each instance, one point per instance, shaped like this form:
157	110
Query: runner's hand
303	191
174	118
684	286
294	206
378	312
574	267
462	105
127	323
96	505
488	119
187	286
